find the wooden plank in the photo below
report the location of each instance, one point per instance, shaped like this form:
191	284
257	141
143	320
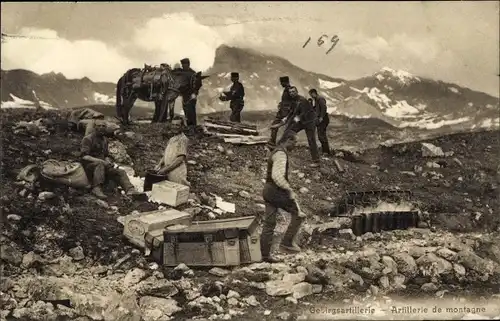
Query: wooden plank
231	124
229	129
252	140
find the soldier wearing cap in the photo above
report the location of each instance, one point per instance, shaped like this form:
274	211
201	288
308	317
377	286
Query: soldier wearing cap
189	97
303	117
284	110
235	95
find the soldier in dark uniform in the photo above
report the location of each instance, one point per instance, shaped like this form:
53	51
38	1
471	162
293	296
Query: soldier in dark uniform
284	109
322	121
189	97
235	95
97	164
278	194
303	118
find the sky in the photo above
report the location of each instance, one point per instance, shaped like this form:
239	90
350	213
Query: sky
453	41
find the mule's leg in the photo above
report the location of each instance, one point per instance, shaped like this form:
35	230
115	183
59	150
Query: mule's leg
163	110
171	107
128	106
157	112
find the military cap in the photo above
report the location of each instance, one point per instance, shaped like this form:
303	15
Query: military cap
284	79
235	74
185	61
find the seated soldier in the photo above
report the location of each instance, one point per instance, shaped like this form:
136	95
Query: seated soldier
98	165
173	162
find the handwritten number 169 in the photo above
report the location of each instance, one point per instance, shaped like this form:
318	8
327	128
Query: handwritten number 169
320	42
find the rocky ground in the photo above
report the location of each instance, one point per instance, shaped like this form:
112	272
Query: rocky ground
66	245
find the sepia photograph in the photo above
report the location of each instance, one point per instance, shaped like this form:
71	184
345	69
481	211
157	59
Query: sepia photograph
284	160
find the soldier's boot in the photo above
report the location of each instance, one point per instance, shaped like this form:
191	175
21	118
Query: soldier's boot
265	249
289	242
97	192
266	241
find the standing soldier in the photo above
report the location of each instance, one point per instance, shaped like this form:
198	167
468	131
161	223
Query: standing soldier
303	118
284	110
235	94
189	97
278	194
322	121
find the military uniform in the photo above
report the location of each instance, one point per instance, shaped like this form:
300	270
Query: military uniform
236	95
284	109
306	120
188	102
276	195
97	146
322	123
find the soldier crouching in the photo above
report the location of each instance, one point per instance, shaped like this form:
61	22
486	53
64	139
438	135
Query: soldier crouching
98	165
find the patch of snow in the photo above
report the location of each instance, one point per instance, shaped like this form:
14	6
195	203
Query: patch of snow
254	75
379	77
401	109
66	101
490	106
421	106
431	123
453	89
222	74
376	95
325	84
17	102
269	62
470	104
45	105
491	123
403	77
388	87
85	98
104	99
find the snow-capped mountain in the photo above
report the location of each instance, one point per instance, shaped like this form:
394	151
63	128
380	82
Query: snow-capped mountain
53	90
393	96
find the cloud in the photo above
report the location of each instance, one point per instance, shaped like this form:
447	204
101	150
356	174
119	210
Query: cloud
397	46
167	38
75	59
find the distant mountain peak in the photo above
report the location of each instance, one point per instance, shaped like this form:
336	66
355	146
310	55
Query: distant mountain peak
402	76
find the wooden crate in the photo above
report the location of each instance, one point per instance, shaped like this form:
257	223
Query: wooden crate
200	245
137	225
224	242
170	193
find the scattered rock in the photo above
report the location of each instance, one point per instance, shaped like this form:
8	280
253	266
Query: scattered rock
303	190
30	259
279	288
219	272
284	316
14	217
153	286
154	309
77	253
429	287
294	277
472	261
44	196
430	150
10	254
301	290
233	294
252	301
447	254
406	264
133	277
